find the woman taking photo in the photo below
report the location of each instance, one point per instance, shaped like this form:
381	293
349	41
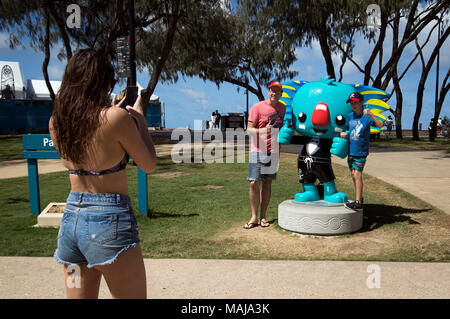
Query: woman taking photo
98	234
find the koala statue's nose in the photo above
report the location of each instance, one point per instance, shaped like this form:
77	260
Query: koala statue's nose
321	115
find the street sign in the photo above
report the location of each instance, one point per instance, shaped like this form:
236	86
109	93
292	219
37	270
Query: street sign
123	57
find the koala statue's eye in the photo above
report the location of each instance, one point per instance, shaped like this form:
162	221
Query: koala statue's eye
302	117
340	120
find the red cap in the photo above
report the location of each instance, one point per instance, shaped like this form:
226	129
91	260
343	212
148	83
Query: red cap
355	96
277	84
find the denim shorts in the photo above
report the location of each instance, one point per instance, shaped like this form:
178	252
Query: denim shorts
262	166
95	229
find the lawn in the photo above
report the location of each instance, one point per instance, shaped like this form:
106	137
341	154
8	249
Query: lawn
11	147
199	213
439	144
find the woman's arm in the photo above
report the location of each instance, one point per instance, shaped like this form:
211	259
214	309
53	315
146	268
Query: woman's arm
134	136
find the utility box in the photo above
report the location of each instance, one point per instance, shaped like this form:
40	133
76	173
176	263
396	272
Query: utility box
232	120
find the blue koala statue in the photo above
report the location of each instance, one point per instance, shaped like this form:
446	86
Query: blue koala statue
319	113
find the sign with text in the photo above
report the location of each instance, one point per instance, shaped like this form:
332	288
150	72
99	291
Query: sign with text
123	56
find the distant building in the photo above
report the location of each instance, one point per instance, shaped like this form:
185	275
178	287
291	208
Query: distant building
11	77
38	90
28	109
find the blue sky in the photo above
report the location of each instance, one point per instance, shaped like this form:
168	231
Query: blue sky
193	99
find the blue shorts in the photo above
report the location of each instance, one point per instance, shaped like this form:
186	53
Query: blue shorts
262	166
356	162
96	228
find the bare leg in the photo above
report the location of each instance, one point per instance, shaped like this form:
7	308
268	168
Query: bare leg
254	195
82	282
126	275
265	196
357	179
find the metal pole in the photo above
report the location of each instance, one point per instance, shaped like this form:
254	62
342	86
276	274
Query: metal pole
132	78
246	92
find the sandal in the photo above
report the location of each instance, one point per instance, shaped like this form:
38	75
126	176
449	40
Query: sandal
264	223
250	225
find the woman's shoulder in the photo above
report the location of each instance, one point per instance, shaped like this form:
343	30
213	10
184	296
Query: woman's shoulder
114	115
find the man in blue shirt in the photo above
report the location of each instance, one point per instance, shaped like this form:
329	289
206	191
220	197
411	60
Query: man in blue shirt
359	122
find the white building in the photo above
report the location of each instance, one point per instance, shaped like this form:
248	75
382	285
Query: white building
11	75
37	89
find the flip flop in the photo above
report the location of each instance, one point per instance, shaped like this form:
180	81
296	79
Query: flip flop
250	225
264	223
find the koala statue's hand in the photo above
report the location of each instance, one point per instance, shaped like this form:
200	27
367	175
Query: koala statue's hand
285	134
339	147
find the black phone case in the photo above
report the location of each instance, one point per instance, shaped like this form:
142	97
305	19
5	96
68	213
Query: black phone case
131	96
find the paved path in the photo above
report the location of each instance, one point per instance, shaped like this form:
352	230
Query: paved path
26	277
424	174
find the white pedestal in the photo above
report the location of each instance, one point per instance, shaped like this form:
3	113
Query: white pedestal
318	218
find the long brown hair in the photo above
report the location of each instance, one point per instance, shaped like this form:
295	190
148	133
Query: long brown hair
86	85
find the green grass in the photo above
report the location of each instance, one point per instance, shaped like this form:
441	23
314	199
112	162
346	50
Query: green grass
188	220
10	147
439	144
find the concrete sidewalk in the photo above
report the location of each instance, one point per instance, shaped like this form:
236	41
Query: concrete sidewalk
26	277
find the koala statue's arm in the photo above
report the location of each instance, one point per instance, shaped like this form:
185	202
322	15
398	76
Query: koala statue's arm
285	134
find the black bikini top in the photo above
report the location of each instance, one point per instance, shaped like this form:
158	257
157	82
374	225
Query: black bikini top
122	164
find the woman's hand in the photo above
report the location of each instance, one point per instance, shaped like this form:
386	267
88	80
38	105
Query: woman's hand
137	107
114	99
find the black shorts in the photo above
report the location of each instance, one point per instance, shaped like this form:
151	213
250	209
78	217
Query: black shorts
311	168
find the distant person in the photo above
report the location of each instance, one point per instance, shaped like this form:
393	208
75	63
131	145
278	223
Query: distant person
217	122
389	123
439	126
7	93
213	120
94	137
264	116
430	128
359	122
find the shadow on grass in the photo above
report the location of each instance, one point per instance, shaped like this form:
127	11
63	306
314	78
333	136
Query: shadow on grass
376	215
13	200
152	214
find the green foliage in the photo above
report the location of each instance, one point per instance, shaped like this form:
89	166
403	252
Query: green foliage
220	46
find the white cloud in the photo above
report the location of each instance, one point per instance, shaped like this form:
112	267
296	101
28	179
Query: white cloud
199	97
55	72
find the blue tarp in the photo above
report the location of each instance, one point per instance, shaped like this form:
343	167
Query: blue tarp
32	116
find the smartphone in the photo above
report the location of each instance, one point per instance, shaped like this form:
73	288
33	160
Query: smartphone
131	96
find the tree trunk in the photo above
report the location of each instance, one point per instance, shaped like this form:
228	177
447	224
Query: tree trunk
399	106
423	79
62	30
47	55
323	40
161	60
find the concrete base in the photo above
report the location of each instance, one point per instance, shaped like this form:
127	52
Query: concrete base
318	218
47	218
